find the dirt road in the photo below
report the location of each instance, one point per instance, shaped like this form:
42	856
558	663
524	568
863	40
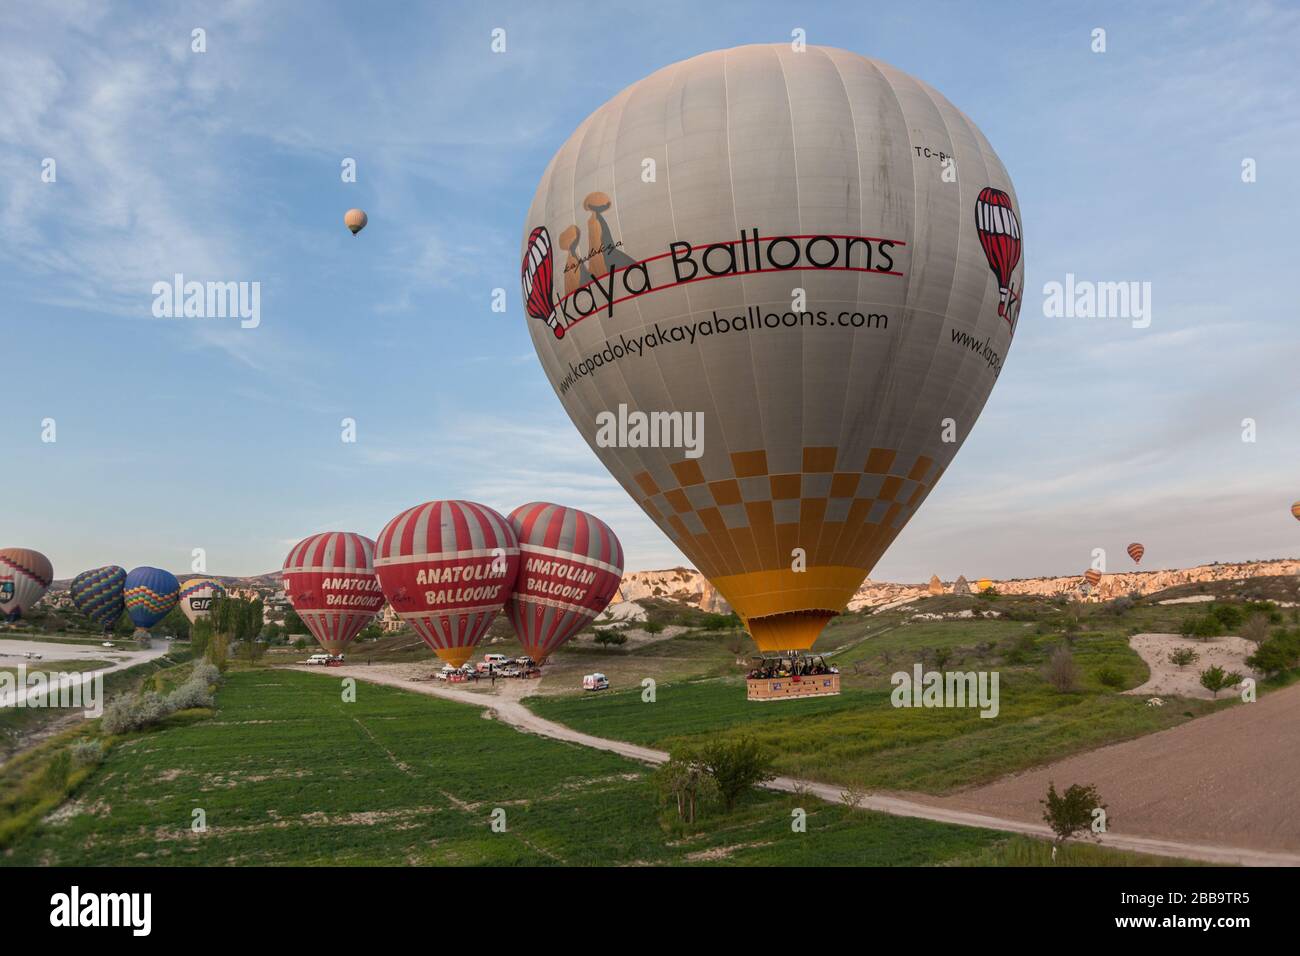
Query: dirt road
505	704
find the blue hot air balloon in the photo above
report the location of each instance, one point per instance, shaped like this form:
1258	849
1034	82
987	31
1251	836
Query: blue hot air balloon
98	594
150	595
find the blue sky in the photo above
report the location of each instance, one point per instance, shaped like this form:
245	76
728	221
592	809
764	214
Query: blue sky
174	435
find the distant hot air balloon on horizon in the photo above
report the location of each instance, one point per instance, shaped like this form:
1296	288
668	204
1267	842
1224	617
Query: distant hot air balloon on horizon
983	584
150	595
98	594
1295	511
355	220
197	595
447	568
25	576
670	301
1135	551
1092	576
329	579
570	566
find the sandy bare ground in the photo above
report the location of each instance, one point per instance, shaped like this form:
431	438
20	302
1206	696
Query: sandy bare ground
505	705
1169	680
12	654
1229	778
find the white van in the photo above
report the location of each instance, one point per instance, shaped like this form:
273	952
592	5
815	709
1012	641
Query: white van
494	661
595	682
318	659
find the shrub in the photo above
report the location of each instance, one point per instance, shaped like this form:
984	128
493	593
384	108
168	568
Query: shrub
1061	671
1109	676
1184	656
735	766
86	752
190	694
1229	617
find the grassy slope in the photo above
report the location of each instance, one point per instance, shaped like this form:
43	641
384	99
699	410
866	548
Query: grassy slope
289	774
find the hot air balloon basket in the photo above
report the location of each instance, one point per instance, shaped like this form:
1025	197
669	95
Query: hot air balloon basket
788	676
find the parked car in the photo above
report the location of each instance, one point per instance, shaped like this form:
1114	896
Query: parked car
107	644
446	672
318	659
595	682
494	661
526	662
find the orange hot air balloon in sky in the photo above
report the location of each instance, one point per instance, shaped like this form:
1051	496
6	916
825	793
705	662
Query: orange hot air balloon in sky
1135	551
355	220
1295	511
1092	576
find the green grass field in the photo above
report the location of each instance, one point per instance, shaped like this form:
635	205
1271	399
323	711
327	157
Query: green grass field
859	738
287	773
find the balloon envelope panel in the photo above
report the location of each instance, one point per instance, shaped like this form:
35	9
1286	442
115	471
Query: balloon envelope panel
329	578
813	261
25	576
150	594
197	595
570	566
447	568
98	594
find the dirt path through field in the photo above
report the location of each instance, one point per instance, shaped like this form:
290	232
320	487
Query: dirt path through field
506	705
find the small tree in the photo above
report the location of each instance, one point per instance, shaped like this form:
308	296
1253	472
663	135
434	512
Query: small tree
942	655
652	627
683	778
1214	679
1184	656
735	766
1255	629
607	638
1071	812
1061	671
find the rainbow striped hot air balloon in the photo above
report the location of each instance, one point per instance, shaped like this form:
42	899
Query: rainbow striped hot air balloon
329	578
570	566
150	594
98	594
1135	551
447	568
197	595
25	576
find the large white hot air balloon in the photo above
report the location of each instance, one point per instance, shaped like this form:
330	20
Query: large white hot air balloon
773	290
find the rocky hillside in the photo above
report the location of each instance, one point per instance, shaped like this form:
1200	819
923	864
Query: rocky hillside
689	586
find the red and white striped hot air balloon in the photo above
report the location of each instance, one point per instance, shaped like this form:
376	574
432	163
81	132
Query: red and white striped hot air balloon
570	566
447	568
329	578
999	232
1135	551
